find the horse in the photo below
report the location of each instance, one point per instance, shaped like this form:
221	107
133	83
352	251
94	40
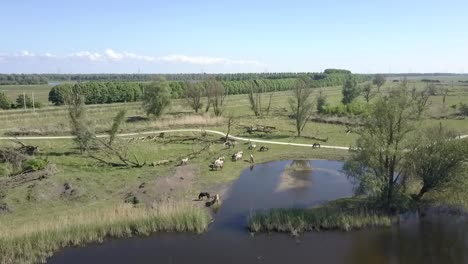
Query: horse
203	194
263	148
184	161
316	145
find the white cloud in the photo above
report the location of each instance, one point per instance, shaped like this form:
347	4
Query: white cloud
92	56
110	55
25	53
204	60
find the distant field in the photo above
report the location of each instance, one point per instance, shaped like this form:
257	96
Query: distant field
41	92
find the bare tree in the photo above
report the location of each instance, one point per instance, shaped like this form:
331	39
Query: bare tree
300	104
269	104
231	121
255	98
193	94
215	92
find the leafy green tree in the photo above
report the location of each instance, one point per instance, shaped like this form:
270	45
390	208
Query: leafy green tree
367	91
379	81
5	102
58	93
301	106
321	103
156	97
350	91
376	162
435	159
22	99
193	94
80	126
118	119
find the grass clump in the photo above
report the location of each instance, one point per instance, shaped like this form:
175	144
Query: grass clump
35	242
343	214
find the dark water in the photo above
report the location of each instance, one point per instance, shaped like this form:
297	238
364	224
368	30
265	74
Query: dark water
442	240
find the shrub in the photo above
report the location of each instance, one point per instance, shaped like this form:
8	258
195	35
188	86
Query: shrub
5	169
463	109
34	164
22	99
5	102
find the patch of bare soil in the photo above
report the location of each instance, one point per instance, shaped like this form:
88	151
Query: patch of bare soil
166	188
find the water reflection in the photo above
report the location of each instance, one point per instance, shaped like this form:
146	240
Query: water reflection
227	241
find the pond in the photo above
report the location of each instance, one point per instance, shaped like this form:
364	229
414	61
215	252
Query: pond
284	184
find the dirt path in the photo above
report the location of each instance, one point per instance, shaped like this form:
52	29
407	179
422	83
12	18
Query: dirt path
192	130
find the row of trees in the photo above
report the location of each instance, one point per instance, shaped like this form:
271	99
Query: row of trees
20	102
98	92
25	79
44	78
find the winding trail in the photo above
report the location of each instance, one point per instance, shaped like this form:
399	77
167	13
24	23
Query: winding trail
190	130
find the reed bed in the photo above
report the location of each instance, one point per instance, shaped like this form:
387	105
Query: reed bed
37	240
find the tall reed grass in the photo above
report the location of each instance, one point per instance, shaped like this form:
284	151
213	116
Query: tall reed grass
36	241
333	216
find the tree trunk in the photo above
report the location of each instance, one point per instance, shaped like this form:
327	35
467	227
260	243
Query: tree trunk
421	193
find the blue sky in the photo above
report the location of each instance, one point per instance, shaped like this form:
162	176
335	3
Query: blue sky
51	36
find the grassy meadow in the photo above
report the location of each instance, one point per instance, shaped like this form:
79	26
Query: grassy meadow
42	217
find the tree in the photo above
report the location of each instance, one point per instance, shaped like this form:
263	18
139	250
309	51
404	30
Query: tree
215	93
350	91
193	94
300	104
435	159
5	102
118	119
321	103
80	127
230	122
58	93
255	98
22	99
367	91
376	161
379	81
156	97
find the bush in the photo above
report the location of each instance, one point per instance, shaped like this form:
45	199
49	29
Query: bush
157	97
5	169
5	102
22	99
34	164
352	109
463	109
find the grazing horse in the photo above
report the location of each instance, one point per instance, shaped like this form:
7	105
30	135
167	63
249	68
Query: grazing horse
203	194
184	161
316	145
252	146
263	148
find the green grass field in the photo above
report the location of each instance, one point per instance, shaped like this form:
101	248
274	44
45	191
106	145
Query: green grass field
103	187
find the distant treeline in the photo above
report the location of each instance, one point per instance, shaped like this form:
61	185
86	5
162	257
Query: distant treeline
25	79
44	78
430	81
423	74
98	92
